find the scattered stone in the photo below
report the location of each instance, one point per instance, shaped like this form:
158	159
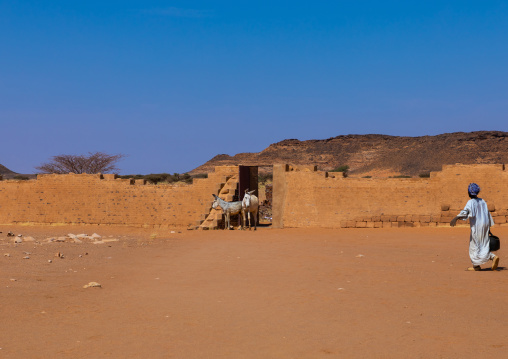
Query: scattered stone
360	255
13	280
77	240
50	261
20	235
95	236
59	255
10	234
92	285
72	236
29	239
110	240
173	232
82	235
27	257
98	242
7	255
49	240
18	240
61	239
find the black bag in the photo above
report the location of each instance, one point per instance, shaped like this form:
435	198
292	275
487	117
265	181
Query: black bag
495	244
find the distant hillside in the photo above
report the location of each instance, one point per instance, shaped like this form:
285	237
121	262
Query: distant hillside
377	155
6	173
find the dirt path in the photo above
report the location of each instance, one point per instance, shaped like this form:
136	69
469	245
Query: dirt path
400	293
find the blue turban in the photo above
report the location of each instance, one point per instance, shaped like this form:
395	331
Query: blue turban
473	189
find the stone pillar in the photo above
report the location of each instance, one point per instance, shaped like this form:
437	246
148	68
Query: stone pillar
279	194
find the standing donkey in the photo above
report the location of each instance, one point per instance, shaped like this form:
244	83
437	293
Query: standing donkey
229	208
250	204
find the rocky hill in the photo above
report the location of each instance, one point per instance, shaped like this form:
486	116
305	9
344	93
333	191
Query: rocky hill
377	155
6	173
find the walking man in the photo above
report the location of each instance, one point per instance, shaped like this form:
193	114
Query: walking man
480	222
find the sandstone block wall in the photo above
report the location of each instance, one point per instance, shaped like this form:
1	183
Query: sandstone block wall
304	197
105	199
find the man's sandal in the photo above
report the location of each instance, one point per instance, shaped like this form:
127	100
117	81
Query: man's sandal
495	263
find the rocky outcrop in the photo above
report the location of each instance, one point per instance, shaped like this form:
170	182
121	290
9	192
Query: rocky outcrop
377	155
5	172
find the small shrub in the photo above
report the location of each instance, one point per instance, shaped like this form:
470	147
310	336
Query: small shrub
200	175
265	177
131	176
367	177
424	175
155	178
400	176
21	178
344	168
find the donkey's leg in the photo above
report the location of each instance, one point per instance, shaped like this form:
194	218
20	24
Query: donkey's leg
227	221
255	219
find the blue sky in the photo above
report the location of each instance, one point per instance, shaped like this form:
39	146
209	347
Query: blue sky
173	83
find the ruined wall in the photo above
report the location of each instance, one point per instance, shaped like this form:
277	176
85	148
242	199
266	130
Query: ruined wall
304	197
104	199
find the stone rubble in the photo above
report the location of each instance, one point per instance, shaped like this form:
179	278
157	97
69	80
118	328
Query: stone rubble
69	238
92	285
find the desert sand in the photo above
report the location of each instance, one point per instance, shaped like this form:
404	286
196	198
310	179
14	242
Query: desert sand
270	293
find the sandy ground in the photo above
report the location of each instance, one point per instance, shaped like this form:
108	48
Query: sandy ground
292	293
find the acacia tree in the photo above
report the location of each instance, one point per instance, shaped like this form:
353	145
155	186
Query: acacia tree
97	162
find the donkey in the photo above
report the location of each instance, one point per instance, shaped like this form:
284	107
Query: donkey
250	204
229	208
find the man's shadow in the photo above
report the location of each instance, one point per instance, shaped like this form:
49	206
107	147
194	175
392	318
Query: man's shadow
495	270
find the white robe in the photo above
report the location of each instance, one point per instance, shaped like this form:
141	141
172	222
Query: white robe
480	221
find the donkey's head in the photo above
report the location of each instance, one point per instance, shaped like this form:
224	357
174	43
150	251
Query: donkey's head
215	203
246	198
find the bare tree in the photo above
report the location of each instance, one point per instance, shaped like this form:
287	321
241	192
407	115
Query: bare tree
97	162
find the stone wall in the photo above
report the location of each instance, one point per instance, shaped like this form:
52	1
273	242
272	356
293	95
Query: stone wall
105	199
304	197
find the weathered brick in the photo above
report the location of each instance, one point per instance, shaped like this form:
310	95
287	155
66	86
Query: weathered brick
445	219
500	220
435	217
424	219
